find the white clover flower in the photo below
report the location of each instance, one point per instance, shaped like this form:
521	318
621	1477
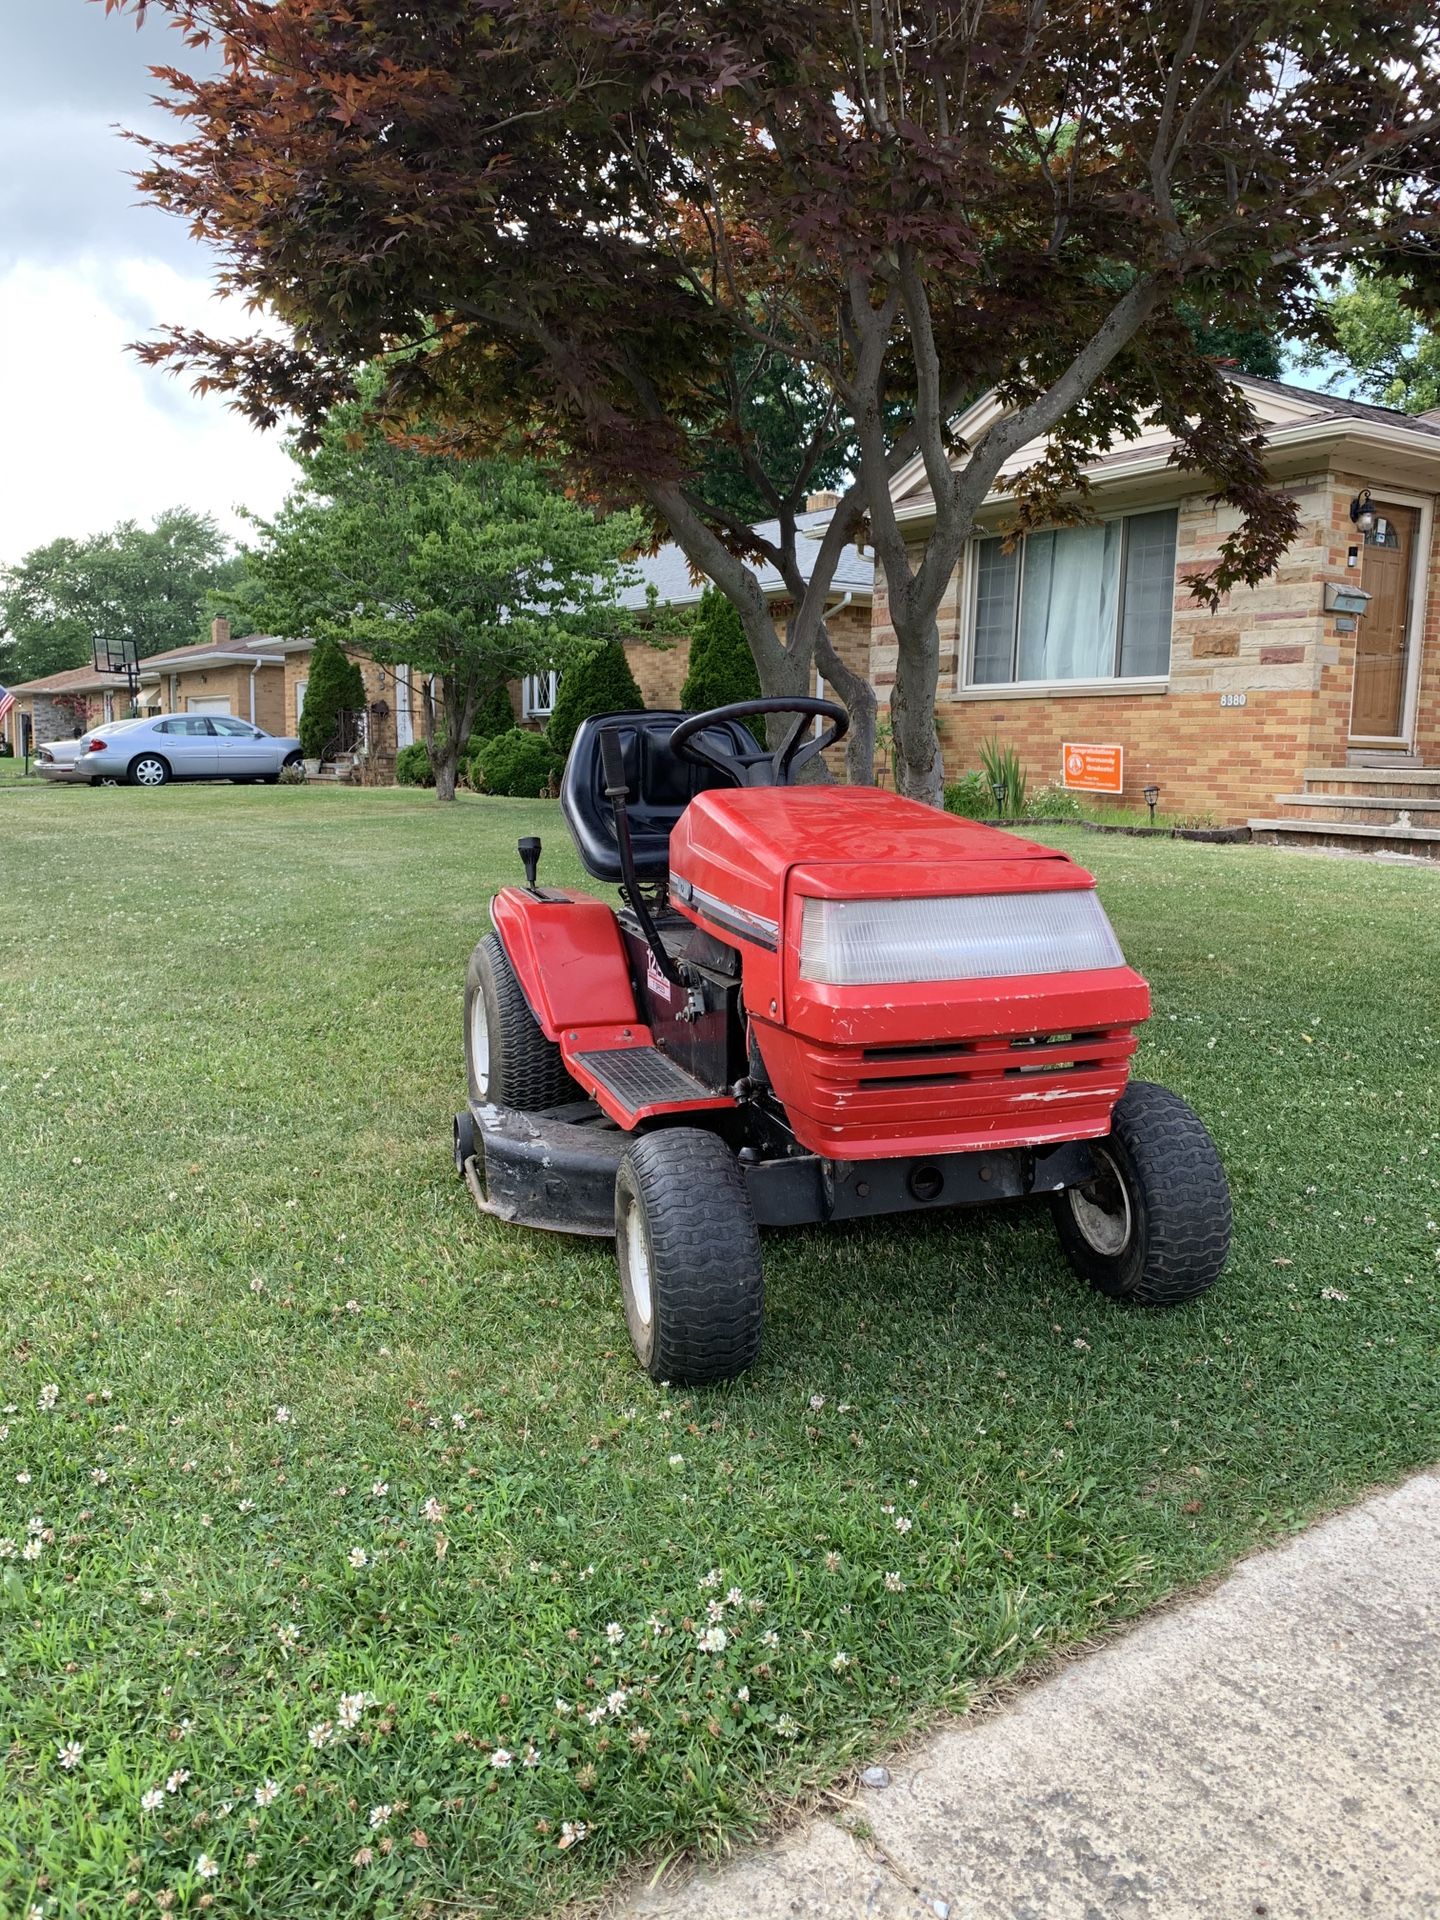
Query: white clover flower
381	1814
32	1549
714	1610
177	1780
563	1707
22	1479
8	1549
572	1832
902	1525
379	1489
787	1726
893	1583
246	1506
840	1662
770	1638
656	1626
350	1707
532	1756
817	1401
614	1633
710	1579
71	1754
358	1557
321	1734
46	1398
501	1758
742	1694
457	1421
98	1476
432	1510
257	1285
734	1598
206	1867
615	1700
288	1635
282	1416
677	1460
713	1640
152	1799
267	1791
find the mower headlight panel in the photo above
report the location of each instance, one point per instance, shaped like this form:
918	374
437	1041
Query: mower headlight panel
989	936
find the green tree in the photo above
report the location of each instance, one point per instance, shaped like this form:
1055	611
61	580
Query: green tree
150	585
335	686
473	572
722	667
599	681
1393	356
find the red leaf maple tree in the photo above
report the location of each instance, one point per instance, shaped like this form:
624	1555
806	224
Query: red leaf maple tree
581	229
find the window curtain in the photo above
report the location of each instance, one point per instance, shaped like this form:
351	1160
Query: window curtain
1068	604
1149	593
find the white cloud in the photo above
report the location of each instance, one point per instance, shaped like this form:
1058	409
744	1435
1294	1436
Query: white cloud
91	435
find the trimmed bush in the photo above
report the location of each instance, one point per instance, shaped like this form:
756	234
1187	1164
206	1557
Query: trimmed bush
600	683
517	763
293	775
335	685
496	715
971	798
722	667
412	766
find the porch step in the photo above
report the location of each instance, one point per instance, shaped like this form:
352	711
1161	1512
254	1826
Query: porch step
1407	779
1399	808
1350	836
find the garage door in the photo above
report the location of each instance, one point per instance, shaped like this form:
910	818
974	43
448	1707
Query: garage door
212	705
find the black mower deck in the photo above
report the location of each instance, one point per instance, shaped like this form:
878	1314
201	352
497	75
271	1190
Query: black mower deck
556	1171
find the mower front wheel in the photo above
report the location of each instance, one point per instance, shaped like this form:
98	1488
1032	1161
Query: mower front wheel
689	1255
1153	1226
508	1060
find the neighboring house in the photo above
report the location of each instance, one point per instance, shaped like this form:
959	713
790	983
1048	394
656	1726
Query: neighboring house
660	662
1088	635
394	697
59	705
244	678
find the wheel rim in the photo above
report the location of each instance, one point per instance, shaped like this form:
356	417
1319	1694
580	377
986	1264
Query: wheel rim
637	1266
480	1046
149	773
1101	1210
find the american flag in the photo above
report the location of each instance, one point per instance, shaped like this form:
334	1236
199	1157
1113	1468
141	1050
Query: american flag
7	700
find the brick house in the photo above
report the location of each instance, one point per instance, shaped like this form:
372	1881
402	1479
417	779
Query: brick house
57	706
660	661
243	678
1088	634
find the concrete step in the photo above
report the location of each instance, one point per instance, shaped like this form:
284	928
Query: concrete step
1372	780
1369	809
1352	837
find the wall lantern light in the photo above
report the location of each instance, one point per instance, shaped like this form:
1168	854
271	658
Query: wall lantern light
1362	511
1152	800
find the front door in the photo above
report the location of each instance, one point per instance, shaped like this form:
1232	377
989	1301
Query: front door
1378	709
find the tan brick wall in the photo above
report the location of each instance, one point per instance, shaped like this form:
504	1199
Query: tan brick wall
380	682
178	690
1427	693
1274	643
659	669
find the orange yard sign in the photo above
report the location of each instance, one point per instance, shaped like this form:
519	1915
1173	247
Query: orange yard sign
1093	769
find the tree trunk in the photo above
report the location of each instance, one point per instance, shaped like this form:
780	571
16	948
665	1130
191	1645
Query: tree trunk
858	696
919	769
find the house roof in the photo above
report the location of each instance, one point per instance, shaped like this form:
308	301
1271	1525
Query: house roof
73	680
255	646
1297	421
668	571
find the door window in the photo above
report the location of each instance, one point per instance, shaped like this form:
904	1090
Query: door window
190	727
234	729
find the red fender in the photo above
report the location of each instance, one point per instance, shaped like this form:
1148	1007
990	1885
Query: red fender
568	957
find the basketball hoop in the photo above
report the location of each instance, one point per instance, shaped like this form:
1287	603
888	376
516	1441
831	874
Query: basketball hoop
118	657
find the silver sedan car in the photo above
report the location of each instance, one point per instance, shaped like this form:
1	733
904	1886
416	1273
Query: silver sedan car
183	746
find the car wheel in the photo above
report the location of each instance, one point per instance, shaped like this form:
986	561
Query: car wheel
688	1249
508	1060
1153	1226
149	770
293	759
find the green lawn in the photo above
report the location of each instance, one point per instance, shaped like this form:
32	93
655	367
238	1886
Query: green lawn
344	1489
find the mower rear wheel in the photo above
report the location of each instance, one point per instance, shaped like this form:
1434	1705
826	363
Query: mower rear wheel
508	1060
688	1248
1153	1227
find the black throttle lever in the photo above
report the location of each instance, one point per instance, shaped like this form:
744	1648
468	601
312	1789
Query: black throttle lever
617	792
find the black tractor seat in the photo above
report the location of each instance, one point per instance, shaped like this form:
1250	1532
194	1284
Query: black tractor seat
660	785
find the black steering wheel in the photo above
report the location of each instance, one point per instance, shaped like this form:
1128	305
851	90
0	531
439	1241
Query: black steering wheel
761	768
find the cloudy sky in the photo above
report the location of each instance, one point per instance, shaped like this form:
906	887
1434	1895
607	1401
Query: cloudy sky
91	436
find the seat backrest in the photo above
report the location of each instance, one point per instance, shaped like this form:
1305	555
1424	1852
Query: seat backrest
660	785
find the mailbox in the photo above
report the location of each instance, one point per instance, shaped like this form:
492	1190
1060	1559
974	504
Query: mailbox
1340	598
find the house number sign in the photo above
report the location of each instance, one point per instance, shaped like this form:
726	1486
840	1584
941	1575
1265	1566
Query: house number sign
1232	699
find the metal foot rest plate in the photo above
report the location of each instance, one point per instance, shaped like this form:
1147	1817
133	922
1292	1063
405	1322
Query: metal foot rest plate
642	1077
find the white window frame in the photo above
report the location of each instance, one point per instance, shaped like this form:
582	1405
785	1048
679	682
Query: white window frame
537	694
969	689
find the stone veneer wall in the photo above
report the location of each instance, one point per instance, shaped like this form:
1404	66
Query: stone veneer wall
1273	642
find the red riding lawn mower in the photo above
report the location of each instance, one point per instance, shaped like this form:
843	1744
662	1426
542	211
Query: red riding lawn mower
814	1003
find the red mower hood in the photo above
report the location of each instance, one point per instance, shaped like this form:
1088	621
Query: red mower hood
738	846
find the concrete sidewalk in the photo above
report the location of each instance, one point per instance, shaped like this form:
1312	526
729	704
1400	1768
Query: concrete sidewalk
1270	1749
